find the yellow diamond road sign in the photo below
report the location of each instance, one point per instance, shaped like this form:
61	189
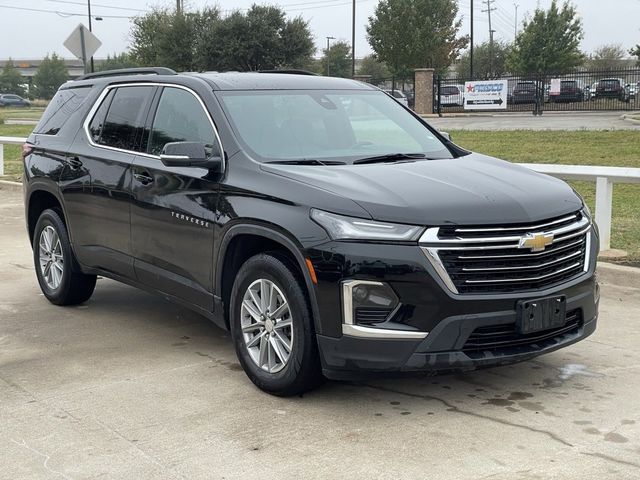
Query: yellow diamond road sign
79	38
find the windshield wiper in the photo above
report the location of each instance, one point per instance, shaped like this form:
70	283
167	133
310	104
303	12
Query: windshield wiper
307	161
392	157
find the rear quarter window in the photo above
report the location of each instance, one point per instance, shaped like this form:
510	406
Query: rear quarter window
62	106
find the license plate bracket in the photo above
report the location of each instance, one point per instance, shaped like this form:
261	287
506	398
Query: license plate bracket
541	314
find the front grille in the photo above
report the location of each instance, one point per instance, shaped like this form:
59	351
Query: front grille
369	315
496	338
486	260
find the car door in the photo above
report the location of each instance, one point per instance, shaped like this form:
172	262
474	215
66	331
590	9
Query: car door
174	208
97	187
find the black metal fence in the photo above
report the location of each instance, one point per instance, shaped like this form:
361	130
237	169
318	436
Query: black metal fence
574	91
401	88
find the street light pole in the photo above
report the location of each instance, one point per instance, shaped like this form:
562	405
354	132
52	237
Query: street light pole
89	11
471	49
353	40
326	55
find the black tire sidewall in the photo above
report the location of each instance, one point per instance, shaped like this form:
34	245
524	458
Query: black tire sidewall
51	218
272	268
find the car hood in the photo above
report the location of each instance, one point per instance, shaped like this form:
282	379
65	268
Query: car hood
470	190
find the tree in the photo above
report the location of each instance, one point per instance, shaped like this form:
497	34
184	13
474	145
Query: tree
378	70
339	59
10	80
483	67
51	73
549	42
607	57
636	53
408	34
170	39
260	39
122	60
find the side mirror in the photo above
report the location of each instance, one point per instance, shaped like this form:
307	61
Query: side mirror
190	154
446	135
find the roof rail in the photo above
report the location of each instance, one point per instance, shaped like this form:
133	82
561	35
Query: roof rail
129	71
291	71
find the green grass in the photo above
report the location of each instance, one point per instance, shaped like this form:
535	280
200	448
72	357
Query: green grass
606	148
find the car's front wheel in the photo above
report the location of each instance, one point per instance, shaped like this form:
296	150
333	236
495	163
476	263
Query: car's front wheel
59	276
272	326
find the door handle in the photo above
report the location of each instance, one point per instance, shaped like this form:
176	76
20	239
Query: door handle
74	162
144	178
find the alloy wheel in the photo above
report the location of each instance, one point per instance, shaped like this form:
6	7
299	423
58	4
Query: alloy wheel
266	324
50	257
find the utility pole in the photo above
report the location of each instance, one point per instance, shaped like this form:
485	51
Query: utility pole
326	55
471	49
490	9
178	6
353	40
515	29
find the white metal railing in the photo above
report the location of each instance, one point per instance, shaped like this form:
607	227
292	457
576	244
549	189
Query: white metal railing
8	141
604	177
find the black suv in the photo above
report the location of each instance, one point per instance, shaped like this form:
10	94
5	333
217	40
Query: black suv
328	227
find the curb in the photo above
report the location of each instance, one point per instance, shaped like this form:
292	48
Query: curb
630	119
8	185
618	275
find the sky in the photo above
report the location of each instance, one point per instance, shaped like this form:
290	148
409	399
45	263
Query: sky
29	34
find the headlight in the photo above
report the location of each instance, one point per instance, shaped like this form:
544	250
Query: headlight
340	227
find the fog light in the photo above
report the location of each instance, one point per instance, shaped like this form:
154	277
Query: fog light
367	302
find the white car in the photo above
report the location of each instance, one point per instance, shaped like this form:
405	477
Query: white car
452	95
399	96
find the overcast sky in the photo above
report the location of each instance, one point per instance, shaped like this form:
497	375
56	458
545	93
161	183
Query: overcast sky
32	34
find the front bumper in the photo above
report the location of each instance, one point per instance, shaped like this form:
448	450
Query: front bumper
445	320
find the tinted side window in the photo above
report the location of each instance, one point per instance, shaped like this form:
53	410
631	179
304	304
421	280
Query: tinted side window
125	118
97	122
64	103
180	118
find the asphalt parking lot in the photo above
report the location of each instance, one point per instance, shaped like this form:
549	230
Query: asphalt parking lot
130	386
526	121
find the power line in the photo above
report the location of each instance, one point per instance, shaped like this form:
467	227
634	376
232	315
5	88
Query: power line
69	2
59	12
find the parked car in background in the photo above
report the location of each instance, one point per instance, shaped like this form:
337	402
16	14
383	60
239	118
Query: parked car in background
612	88
411	98
633	90
11	100
399	96
570	91
452	95
524	92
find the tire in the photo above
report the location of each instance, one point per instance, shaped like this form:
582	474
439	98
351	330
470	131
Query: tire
62	282
274	372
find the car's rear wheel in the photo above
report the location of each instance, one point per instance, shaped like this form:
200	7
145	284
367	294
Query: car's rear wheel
272	327
57	271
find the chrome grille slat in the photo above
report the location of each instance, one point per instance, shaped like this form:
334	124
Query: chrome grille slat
526	267
527	279
495	262
522	255
516	229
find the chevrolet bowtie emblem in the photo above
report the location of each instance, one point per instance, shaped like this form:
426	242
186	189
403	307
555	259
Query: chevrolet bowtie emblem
536	242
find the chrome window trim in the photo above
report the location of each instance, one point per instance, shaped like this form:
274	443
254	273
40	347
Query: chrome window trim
360	331
105	92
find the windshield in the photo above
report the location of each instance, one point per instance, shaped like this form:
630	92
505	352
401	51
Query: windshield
326	125
450	91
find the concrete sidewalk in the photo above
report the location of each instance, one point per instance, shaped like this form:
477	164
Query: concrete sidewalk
526	121
130	386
